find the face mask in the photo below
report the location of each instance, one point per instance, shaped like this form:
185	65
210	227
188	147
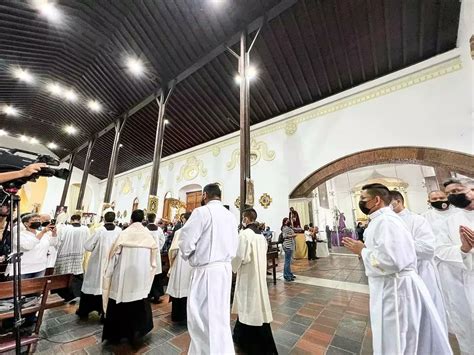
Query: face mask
440	205
363	207
459	200
35	225
45	224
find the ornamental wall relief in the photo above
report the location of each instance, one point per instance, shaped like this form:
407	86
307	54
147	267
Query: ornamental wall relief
258	151
191	170
126	186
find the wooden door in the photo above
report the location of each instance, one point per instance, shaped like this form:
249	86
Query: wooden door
193	200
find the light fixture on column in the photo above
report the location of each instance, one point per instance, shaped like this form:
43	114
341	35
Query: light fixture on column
48	9
69	129
52	145
94	105
135	66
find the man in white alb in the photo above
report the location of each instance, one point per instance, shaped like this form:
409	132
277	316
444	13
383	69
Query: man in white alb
425	249
399	299
440	208
209	241
455	257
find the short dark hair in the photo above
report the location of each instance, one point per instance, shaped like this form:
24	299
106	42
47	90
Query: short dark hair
396	195
137	216
186	215
25	218
109	217
213	191
451	181
379	190
306	227
76	217
151	217
250	213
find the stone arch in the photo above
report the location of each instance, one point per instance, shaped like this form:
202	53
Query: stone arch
451	160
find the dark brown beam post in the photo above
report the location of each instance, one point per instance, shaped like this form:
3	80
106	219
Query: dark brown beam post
85	173
72	156
244	120
162	101
119	125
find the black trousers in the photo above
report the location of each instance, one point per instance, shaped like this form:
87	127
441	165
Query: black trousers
311	250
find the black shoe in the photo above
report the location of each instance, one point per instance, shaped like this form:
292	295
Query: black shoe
289	279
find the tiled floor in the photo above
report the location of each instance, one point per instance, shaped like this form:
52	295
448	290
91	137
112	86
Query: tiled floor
308	319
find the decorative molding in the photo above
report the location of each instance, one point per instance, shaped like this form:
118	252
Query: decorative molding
192	169
265	200
237	203
258	150
126	186
216	150
290	128
170	166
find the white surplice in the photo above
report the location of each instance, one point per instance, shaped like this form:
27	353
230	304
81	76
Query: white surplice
131	267
398	297
425	249
71	241
180	272
457	277
209	240
99	245
160	240
434	216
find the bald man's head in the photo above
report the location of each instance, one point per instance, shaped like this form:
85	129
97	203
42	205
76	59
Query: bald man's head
437	195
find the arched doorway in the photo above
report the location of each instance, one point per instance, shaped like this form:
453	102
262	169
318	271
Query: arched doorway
444	160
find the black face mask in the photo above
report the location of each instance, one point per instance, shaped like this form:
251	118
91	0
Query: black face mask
363	207
459	200
440	205
35	225
203	203
45	224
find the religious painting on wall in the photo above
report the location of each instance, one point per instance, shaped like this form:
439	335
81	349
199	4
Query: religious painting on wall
249	196
323	196
135	204
60	210
152	205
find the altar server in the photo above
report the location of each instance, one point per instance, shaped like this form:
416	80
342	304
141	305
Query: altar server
440	208
99	246
71	239
455	254
209	241
425	248
179	277
252	332
127	281
398	297
157	287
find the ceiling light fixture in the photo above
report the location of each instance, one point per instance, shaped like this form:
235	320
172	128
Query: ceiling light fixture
34	141
70	95
48	9
23	75
166	121
3	132
120	145
10	110
55	89
135	66
251	74
52	145
70	129
94	105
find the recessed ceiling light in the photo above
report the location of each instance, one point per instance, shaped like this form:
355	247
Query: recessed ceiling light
70	129
120	145
70	95
23	75
251	74
24	138
94	105
166	121
10	110
135	66
55	89
48	9
3	132
34	141
52	145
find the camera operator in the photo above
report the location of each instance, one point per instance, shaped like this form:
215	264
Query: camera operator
34	244
25	172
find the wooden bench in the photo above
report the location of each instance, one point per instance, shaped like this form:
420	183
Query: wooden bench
272	254
31	287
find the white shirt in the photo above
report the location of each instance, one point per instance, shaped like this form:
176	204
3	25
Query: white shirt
160	239
434	216
196	242
308	237
35	252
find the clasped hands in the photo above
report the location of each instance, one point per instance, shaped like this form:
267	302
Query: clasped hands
467	239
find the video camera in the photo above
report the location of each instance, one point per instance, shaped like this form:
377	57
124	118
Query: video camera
17	159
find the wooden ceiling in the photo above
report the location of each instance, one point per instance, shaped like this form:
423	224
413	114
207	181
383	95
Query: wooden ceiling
310	50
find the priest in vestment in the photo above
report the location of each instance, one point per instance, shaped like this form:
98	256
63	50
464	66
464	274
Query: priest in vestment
99	246
294	218
425	248
127	281
179	277
71	239
209	241
399	299
440	208
252	332
455	257
157	286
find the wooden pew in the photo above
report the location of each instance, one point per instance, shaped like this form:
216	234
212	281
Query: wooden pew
272	254
31	287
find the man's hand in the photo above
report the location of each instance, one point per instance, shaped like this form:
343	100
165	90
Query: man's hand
354	246
467	239
32	169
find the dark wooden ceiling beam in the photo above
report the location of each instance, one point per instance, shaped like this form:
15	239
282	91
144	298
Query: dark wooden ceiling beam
371	37
344	44
386	17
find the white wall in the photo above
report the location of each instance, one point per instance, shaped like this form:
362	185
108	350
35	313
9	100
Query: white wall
428	104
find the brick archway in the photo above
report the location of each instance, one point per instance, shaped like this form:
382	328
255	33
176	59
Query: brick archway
454	161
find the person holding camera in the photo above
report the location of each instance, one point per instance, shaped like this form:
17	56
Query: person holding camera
19	174
34	244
